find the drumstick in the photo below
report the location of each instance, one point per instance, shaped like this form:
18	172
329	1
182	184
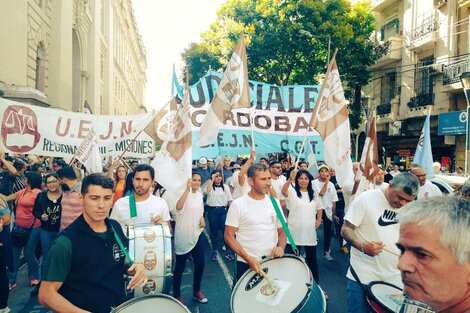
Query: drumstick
262	273
385	249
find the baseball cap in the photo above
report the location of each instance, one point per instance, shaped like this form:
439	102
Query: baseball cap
203	160
236	166
323	166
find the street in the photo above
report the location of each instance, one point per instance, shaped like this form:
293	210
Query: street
216	283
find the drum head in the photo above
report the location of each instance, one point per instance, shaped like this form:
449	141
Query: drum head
290	269
151	304
387	296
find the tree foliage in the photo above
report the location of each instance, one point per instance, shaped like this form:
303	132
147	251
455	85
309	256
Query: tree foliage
288	41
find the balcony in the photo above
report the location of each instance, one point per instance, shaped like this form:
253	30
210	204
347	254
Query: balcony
425	35
384	109
451	74
388	52
380	5
421	100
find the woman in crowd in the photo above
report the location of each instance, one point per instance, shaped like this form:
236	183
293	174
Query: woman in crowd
219	198
188	237
129	186
119	182
47	209
305	215
24	218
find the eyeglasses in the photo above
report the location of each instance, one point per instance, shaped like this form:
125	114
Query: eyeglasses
51	182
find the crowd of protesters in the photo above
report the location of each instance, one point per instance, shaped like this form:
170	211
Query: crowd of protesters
43	196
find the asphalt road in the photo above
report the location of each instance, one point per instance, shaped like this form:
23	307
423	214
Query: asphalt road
216	284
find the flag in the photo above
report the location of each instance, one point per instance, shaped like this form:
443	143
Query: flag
176	88
370	154
232	93
330	118
172	163
312	161
88	153
159	127
423	153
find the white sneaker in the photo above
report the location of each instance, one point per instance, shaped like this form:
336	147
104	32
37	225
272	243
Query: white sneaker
224	248
5	310
327	256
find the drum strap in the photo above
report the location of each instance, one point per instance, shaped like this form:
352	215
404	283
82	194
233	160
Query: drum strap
354	274
132	206
131	262
284	225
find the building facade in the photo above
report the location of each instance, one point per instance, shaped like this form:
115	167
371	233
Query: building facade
422	47
77	55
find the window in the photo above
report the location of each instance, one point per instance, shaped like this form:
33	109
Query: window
424	77
390	29
40	68
388	87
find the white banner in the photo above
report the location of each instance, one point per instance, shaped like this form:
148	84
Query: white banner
36	130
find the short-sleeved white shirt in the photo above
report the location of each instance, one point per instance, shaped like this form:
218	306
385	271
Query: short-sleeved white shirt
277	185
238	190
428	190
218	196
187	230
330	196
302	218
375	220
257	223
145	211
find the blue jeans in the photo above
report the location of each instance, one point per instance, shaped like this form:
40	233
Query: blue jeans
216	217
356	297
31	260
46	238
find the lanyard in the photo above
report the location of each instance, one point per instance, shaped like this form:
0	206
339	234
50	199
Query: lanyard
131	262
283	223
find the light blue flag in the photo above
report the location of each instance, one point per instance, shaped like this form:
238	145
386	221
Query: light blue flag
176	88
423	153
312	161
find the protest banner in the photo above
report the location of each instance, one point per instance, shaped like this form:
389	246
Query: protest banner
29	129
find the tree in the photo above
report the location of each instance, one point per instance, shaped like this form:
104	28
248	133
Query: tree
288	41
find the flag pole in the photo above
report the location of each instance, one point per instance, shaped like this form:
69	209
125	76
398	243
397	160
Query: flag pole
315	109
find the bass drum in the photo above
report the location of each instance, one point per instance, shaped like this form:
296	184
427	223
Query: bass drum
384	297
302	294
151	244
152	304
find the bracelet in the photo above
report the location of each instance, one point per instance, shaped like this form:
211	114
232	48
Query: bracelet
362	247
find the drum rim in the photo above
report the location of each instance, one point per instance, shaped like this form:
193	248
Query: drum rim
377	282
292	256
129	302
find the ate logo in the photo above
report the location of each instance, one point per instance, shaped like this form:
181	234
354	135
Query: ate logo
20	129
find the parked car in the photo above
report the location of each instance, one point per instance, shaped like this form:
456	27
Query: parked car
448	183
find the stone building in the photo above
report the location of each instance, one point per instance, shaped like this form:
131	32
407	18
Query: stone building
77	55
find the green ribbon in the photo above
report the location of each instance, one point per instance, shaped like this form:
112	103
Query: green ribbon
284	224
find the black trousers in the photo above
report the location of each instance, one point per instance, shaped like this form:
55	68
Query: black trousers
4	290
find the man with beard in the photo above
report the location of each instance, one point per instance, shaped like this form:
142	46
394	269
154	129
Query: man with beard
435	253
72	205
149	208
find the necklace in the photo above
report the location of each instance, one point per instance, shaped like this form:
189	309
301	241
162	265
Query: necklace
53	199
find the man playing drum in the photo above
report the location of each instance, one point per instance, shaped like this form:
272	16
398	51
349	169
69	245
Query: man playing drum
85	265
370	226
252	228
435	252
149	208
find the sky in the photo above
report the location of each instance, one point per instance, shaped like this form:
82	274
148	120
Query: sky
167	28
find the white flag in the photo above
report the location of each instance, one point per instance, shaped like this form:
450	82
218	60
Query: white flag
233	93
173	162
331	119
88	153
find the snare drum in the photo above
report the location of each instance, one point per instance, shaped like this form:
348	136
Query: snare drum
302	294
152	304
151	244
384	297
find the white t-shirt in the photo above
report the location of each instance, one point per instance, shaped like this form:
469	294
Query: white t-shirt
238	190
375	220
326	201
302	218
145	211
428	190
277	185
257	225
218	196
187	228
365	185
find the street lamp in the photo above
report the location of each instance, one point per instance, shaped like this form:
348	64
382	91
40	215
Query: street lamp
465	80
309	34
